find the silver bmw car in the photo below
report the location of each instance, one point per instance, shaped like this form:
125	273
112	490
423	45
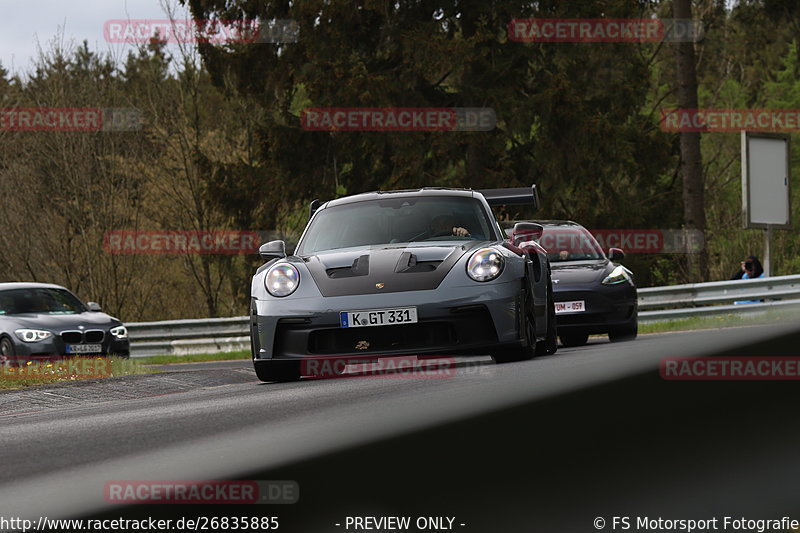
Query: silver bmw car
420	272
45	321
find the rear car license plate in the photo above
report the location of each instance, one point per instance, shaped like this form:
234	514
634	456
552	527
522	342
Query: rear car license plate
378	317
570	307
84	348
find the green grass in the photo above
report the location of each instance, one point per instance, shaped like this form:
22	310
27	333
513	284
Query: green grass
192	358
717	322
68	371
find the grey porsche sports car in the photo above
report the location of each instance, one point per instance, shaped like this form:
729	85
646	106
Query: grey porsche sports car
39	320
419	272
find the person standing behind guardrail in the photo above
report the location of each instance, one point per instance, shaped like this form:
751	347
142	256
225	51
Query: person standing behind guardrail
751	268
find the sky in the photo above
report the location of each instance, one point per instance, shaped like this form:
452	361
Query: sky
30	24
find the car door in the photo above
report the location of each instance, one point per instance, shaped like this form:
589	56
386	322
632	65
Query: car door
537	274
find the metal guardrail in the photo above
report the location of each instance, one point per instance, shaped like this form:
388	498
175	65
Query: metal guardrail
211	335
183	337
696	294
701	299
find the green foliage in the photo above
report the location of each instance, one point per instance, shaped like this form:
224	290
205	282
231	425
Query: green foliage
553	102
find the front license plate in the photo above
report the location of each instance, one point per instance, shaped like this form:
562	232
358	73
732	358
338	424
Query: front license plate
378	317
84	348
570	307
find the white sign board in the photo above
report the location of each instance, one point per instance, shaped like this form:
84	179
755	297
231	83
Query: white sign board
765	180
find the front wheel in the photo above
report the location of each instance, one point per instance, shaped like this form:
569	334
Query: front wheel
277	371
6	351
522	353
625	333
574	339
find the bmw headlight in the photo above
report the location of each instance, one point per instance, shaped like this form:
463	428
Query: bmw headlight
485	264
120	332
282	279
619	275
32	335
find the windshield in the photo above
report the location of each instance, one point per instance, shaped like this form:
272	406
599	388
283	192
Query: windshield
570	243
39	301
397	220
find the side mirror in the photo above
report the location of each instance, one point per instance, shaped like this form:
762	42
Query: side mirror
94	307
272	250
526	231
312	208
616	255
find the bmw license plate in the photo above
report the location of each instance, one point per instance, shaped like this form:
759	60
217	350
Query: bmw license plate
84	348
570	307
378	317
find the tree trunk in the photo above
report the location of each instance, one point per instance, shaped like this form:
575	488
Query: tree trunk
694	215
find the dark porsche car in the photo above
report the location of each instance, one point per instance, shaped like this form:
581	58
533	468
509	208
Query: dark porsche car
593	292
418	272
39	321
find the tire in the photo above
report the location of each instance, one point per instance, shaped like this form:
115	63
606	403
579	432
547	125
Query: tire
521	353
546	347
277	371
549	345
626	333
7	351
574	339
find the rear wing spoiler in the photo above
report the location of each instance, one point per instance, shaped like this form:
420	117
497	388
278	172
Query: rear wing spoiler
512	196
507	196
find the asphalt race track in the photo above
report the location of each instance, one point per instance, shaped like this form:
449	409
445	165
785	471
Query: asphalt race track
541	445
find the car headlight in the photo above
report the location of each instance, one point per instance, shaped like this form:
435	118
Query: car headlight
485	264
120	332
619	275
32	335
282	280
